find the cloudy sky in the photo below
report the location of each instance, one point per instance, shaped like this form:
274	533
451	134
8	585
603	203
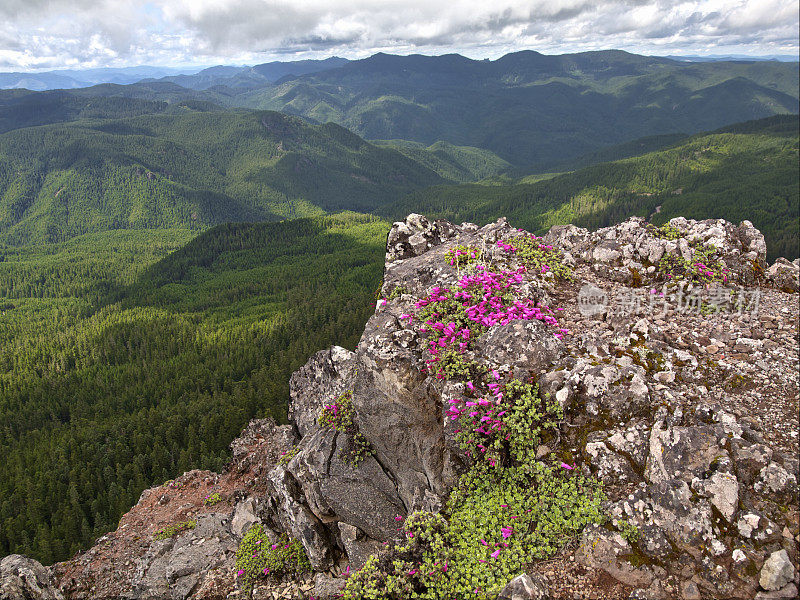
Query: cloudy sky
50	34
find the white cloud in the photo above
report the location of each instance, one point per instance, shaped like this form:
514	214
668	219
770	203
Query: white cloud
56	33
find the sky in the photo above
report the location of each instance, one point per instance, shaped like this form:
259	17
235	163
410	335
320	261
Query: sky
57	34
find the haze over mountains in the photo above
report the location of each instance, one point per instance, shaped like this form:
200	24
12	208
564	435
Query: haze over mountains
77	78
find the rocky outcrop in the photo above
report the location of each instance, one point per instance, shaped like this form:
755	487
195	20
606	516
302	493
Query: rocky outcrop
684	411
524	587
23	578
324	377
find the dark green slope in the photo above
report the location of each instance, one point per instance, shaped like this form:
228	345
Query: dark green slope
22	108
190	169
749	175
456	163
117	373
531	109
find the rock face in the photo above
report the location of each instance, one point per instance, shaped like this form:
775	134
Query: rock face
324	377
22	578
524	587
681	401
777	571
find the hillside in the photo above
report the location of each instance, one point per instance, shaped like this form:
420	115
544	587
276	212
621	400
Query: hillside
121	365
191	169
749	173
531	109
521	418
22	108
252	77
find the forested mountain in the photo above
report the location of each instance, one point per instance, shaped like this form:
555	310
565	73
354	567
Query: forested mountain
190	169
530	108
255	76
23	108
77	78
117	373
746	171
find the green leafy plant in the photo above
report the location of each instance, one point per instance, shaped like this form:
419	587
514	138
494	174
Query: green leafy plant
666	231
288	455
537	256
508	510
397	292
340	415
173	530
494	524
628	530
704	267
257	557
212	499
461	255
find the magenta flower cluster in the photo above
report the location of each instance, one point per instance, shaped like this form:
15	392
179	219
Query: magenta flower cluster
483	296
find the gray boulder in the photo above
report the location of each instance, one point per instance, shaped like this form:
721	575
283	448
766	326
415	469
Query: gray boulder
686	523
325	377
722	489
527	346
415	235
358	545
327	587
788	592
175	567
774	479
23	578
777	571
337	490
293	516
784	275
399	411
607	551
525	587
683	452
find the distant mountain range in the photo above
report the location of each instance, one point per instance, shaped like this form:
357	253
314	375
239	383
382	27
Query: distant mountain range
253	77
527	108
77	78
197	150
